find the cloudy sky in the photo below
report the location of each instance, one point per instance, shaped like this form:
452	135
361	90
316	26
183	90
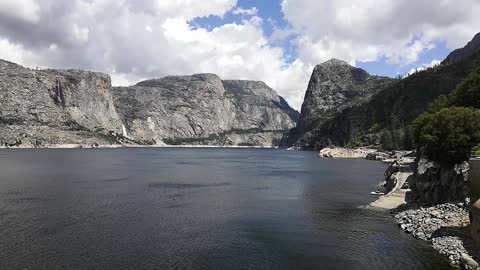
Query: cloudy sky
277	41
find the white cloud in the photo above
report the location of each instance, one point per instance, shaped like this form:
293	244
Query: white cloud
80	33
137	39
242	11
13	52
424	66
26	10
116	37
369	30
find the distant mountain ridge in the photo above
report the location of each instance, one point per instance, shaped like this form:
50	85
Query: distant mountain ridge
204	110
49	108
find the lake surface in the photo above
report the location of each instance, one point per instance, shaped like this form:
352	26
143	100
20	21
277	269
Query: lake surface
196	209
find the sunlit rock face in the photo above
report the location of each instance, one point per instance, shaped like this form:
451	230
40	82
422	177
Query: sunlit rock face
42	107
204	110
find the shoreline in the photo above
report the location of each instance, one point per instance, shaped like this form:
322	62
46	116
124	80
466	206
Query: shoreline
446	226
114	146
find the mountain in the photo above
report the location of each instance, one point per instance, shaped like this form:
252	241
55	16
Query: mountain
45	107
464	52
204	110
395	105
334	85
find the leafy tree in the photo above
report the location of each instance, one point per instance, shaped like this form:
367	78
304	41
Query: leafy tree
476	149
448	135
440	103
375	128
386	140
467	93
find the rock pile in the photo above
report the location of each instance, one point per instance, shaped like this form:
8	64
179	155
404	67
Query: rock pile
444	225
338	152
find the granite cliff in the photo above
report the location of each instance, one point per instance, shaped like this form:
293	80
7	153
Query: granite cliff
41	108
48	108
334	86
204	110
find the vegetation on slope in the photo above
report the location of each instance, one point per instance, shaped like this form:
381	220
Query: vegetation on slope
450	129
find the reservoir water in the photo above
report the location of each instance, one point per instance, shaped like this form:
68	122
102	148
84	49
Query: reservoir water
185	209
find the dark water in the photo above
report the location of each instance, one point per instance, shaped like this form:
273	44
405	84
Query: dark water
196	209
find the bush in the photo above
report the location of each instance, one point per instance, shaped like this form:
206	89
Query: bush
476	150
449	135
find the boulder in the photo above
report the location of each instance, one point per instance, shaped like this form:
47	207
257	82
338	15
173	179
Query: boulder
435	183
468	263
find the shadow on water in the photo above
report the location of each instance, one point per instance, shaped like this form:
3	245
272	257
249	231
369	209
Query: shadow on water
185	186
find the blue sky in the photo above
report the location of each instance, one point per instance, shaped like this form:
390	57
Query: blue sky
271	13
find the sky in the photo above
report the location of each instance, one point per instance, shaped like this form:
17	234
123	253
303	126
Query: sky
275	41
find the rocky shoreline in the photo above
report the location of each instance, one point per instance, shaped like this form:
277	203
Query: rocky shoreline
339	152
444	226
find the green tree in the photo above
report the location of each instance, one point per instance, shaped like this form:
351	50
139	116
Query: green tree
408	140
386	140
476	150
449	135
397	139
467	93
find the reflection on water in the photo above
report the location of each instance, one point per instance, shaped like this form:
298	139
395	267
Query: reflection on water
196	209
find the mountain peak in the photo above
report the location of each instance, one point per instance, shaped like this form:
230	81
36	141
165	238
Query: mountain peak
335	62
468	50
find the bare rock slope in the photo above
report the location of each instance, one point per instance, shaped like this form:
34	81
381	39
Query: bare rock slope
204	110
52	107
47	108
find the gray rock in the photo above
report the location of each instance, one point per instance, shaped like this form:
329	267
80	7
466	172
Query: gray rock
334	86
204	110
434	183
468	262
42	107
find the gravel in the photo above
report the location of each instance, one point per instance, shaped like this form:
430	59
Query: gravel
443	225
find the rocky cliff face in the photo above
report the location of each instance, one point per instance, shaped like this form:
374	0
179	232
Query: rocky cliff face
435	183
334	85
42	108
204	110
45	107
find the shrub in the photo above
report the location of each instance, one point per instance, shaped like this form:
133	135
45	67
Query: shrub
449	135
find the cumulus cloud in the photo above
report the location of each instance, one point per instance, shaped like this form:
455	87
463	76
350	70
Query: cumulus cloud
134	40
369	30
243	11
26	10
434	62
138	39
